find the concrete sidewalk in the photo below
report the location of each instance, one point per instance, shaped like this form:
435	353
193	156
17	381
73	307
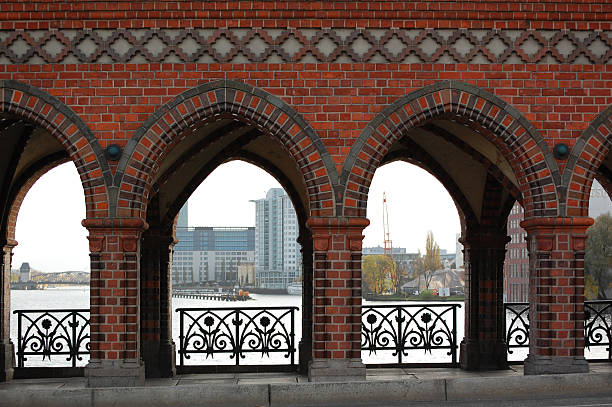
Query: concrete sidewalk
382	386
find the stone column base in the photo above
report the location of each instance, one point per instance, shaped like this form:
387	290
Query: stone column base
7	361
483	355
115	373
535	365
336	370
305	351
167	359
150	354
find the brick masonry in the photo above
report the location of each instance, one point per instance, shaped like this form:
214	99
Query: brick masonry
335	83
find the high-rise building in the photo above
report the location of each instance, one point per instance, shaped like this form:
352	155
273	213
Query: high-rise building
278	259
516	264
210	254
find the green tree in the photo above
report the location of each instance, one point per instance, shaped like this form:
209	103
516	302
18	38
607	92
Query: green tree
380	273
598	255
431	259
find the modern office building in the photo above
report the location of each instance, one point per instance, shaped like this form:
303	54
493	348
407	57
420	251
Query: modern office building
278	258
210	254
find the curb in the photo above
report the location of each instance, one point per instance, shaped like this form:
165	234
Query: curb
364	393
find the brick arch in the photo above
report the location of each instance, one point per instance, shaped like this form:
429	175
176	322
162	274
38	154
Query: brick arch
46	111
426	163
500	123
589	151
250	158
23	186
217	100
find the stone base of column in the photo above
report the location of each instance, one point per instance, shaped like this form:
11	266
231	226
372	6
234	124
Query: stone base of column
336	370
150	354
115	373
167	359
535	365
7	352
305	351
483	355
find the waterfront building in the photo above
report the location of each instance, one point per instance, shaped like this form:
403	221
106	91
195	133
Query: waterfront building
210	254
516	264
278	258
25	273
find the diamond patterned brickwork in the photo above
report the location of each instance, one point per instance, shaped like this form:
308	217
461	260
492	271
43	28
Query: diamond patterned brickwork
306	45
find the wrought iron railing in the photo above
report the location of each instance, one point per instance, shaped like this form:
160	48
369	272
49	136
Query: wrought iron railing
517	330
597	325
47	333
237	332
404	328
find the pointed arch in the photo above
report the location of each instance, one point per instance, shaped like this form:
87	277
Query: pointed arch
23	103
583	165
212	101
505	127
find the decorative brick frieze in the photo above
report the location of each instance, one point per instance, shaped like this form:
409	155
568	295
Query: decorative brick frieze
342	45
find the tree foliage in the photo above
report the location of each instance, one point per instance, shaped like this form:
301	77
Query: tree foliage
430	262
380	273
598	255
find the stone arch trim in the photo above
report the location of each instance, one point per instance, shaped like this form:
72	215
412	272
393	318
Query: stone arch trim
48	112
145	151
587	154
526	150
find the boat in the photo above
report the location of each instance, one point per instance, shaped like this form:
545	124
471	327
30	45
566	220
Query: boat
294	289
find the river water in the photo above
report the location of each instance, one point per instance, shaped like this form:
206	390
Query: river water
77	297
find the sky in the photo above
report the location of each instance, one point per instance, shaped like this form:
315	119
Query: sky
52	239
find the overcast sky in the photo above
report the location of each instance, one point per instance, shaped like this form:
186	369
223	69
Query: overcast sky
52	239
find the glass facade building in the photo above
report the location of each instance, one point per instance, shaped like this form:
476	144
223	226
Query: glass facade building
210	254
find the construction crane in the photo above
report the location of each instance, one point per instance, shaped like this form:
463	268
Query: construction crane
387	239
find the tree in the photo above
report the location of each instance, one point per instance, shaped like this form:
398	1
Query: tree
431	260
380	273
598	254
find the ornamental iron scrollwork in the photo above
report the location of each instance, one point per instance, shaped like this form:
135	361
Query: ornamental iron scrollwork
48	333
237	332
597	325
517	331
402	328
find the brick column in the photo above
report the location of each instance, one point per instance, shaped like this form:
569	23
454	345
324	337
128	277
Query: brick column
115	302
305	345
157	347
337	299
556	295
7	349
484	344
